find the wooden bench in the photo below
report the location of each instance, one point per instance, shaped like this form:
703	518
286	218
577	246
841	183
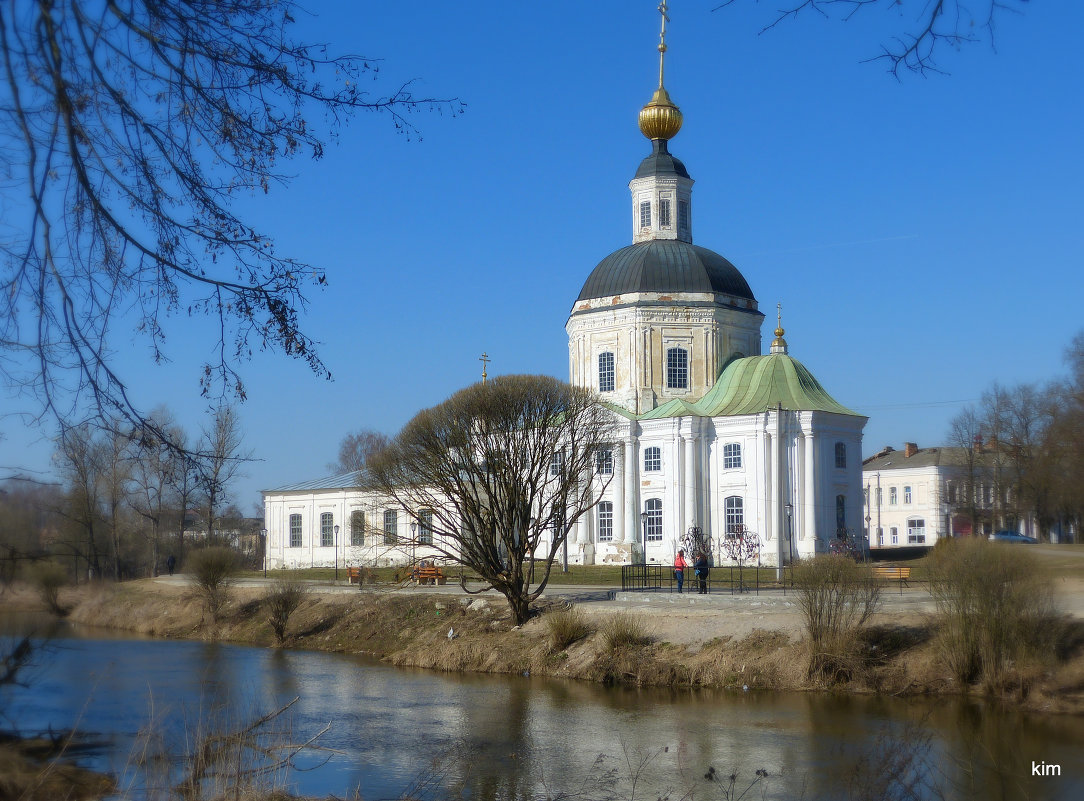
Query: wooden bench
428	575
353	575
891	573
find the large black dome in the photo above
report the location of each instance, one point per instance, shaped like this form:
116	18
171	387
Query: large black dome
664	265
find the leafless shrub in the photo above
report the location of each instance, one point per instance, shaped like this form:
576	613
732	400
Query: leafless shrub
48	578
837	596
995	605
566	625
213	570
240	756
283	598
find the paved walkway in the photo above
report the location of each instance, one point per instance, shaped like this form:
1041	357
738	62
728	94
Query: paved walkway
912	599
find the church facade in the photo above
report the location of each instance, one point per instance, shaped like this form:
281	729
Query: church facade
719	446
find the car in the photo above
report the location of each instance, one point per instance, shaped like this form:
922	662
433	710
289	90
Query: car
1012	536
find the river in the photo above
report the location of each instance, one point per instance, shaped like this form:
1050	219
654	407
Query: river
436	735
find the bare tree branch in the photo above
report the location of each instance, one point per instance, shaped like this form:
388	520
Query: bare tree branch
127	129
928	26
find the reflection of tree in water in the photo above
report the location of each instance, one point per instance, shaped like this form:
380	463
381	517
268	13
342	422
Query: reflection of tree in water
497	764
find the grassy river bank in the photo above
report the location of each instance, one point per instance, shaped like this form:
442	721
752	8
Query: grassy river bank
624	644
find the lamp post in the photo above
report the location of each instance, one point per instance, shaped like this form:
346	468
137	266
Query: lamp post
789	509
263	541
335	544
413	541
643	528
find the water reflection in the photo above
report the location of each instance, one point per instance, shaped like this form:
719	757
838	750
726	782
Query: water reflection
517	738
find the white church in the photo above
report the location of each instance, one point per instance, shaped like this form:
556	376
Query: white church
716	440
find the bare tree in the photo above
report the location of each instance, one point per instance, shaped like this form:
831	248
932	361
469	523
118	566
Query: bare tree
496	473
115	465
155	477
221	462
127	128
357	448
79	462
965	434
927	27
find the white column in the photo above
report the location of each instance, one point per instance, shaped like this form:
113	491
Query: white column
777	487
618	485
691	483
632	503
681	473
809	529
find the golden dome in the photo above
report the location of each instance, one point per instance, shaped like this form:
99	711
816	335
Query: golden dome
779	332
660	118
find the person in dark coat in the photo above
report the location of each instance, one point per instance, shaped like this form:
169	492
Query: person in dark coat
171	562
700	568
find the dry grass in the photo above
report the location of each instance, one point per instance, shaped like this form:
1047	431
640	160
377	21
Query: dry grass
566	625
32	770
624	629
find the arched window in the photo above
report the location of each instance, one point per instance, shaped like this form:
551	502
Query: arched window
295	531
731	456
841	515
652	459
391	527
734	513
653	526
606	374
605	521
677	368
327	533
357	527
841	455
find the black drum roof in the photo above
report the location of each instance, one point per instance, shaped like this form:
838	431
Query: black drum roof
664	265
661	162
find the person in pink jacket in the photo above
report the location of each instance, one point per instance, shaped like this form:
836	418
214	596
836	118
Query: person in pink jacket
679	568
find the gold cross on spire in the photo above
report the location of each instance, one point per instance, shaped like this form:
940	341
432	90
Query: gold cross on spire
484	359
778	315
662	37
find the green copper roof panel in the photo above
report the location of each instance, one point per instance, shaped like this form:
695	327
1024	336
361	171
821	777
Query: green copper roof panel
755	384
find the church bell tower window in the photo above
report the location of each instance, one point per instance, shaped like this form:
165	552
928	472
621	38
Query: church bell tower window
683	215
677	368
664	213
606	372
645	214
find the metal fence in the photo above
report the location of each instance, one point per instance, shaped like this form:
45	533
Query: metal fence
727	578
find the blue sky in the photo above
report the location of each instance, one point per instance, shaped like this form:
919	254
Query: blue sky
924	236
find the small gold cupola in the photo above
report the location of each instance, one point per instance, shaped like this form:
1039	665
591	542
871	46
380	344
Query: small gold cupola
660	118
779	345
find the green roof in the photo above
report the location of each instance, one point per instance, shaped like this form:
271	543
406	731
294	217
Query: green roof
755	384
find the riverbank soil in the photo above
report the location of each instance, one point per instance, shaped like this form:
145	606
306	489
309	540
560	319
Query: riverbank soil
744	641
34	770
